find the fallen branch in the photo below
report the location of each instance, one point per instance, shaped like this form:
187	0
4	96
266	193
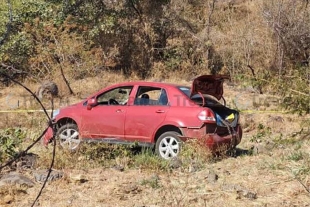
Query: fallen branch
305	187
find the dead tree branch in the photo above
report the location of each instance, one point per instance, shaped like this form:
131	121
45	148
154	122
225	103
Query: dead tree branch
63	75
255	78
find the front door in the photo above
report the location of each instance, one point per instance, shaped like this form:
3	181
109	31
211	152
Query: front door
107	118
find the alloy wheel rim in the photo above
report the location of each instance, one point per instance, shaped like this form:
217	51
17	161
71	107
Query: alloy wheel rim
69	139
169	147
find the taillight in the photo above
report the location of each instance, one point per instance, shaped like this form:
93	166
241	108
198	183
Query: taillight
206	116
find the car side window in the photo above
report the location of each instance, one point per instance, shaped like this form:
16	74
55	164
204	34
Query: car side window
147	95
116	96
163	98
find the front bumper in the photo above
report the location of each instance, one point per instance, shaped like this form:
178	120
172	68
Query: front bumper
47	137
214	141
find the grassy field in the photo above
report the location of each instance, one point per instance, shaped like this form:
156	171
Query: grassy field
270	168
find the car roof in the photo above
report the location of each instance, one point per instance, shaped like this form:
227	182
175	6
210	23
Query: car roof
150	83
139	83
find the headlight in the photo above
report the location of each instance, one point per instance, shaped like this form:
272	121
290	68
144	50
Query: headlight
55	113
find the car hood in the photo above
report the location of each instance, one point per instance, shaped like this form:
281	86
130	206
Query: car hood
209	84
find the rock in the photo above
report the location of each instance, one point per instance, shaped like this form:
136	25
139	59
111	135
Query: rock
212	177
175	163
258	149
131	188
40	175
49	88
118	168
78	178
231	187
27	161
246	194
14	178
262	148
278	119
241	191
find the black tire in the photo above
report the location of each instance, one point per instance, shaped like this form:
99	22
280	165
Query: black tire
168	145
68	136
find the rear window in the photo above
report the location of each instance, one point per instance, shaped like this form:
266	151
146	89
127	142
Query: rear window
186	90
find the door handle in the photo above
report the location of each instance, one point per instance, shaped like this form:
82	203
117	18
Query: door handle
119	111
160	111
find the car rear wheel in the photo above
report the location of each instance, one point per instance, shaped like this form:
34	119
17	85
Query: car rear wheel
168	145
68	136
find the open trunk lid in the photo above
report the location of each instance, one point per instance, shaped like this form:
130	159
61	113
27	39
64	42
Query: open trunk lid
209	84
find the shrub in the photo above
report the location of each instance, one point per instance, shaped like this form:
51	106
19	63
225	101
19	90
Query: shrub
10	142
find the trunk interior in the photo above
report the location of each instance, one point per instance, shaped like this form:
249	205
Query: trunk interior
224	115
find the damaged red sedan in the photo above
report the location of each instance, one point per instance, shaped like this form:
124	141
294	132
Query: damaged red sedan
154	114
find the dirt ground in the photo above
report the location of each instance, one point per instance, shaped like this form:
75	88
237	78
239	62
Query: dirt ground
271	175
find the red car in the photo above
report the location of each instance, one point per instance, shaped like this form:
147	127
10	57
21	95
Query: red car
154	114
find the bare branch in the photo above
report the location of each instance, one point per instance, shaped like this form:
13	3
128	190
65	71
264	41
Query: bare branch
63	75
255	78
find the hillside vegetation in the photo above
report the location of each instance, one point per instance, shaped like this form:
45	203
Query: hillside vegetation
264	45
260	43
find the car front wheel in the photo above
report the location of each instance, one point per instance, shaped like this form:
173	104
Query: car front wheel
68	136
168	145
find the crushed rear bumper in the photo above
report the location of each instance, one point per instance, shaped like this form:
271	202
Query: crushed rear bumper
214	141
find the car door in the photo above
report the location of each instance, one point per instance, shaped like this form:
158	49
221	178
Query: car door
146	113
106	118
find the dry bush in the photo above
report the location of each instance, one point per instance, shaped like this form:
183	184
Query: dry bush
195	154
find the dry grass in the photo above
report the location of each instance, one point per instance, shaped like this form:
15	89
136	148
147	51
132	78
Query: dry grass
271	167
270	176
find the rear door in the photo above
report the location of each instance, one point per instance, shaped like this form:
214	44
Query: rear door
146	113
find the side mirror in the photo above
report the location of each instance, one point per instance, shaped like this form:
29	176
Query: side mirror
91	103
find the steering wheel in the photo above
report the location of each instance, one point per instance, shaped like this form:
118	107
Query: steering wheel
113	102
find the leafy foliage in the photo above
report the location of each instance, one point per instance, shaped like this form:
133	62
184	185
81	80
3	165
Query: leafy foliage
163	37
10	141
296	91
